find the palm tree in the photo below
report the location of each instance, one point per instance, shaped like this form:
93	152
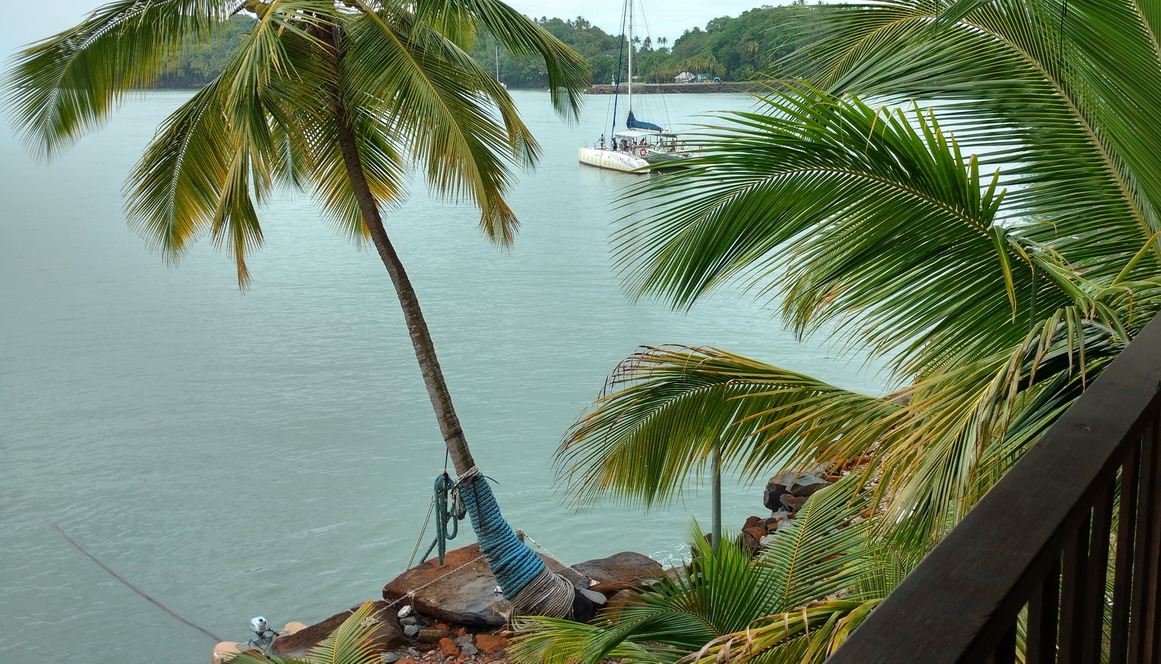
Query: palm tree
334	97
994	285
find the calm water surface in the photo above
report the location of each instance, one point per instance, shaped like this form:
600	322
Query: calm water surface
272	452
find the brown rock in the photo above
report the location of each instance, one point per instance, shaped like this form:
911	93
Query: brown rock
449	647
620	571
616	604
462	631
792	503
751	522
433	635
757	532
750	543
444	626
465	596
224	652
386	636
490	644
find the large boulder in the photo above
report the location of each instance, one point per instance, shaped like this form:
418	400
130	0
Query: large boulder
462	590
620	571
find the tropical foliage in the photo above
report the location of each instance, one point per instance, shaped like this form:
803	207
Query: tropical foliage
996	251
825	553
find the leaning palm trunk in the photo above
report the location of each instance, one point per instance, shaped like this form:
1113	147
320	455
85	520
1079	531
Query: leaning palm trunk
527	583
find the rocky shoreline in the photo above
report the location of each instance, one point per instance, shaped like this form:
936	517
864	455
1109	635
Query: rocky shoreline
453	613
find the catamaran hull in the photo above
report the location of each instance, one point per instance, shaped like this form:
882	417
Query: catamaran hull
668	161
614	160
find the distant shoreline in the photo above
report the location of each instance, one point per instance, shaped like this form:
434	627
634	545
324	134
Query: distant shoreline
597	89
679	88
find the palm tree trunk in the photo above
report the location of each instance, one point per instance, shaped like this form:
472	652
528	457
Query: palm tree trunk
527	582
437	391
716	502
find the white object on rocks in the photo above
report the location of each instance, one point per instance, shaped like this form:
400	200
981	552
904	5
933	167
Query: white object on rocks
224	652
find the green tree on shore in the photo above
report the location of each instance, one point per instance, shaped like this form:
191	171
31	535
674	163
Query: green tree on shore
201	62
734	48
996	285
336	98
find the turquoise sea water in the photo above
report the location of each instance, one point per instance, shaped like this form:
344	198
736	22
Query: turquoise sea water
272	452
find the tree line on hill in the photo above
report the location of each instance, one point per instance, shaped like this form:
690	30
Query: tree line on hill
729	48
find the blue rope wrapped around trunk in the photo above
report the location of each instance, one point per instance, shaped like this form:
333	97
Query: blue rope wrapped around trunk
512	562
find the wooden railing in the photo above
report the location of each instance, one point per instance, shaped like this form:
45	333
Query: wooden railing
1040	549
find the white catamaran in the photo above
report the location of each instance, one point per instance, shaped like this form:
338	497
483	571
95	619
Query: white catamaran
641	146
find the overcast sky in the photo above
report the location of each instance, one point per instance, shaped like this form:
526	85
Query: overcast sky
28	21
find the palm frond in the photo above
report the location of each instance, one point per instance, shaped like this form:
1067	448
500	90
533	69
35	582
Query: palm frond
806	636
821	553
568	74
872	224
1051	100
443	108
176	187
64	85
672	406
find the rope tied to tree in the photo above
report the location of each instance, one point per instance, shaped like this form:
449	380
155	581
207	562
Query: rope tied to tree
447	521
512	562
525	580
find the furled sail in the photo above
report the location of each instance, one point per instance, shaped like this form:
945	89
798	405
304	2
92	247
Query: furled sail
634	123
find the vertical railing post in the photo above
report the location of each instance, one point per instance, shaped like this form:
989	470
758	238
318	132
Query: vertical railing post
1143	604
1123	576
1043	610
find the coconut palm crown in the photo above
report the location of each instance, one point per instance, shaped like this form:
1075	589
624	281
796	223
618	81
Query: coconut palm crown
988	228
337	97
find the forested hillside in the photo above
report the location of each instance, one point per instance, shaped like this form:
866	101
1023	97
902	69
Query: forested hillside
203	61
730	48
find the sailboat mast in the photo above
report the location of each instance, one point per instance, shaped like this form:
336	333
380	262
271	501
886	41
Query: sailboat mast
630	96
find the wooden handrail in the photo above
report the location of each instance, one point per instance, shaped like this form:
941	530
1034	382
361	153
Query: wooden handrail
1039	541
